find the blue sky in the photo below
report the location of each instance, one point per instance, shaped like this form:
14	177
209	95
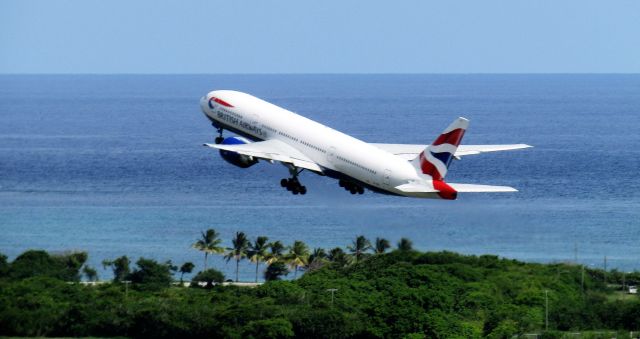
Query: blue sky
282	36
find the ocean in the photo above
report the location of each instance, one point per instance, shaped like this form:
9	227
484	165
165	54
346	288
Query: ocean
114	165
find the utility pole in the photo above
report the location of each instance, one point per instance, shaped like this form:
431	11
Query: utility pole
546	310
575	252
332	290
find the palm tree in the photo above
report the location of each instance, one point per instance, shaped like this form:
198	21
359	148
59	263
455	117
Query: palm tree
276	249
318	254
382	245
317	258
298	256
209	243
405	244
186	268
238	250
337	255
359	247
258	252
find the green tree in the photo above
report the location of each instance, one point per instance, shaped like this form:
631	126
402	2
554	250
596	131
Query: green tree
257	252
276	270
238	250
209	277
90	273
151	274
120	266
382	245
186	268
405	244
32	263
298	256
209	243
359	247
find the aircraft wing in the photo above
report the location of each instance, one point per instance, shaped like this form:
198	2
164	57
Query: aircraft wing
272	150
409	151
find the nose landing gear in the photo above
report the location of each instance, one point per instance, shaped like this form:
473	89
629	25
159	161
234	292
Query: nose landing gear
351	187
219	138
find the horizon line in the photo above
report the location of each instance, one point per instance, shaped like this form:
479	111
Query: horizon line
333	73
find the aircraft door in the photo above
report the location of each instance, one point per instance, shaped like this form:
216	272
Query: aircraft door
386	177
331	154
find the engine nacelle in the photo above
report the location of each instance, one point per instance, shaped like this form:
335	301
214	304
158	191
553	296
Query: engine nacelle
240	160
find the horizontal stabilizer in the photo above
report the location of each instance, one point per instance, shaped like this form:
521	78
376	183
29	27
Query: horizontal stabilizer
419	187
471	188
416	187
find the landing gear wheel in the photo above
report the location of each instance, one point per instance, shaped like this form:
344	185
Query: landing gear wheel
360	190
353	190
292	184
219	138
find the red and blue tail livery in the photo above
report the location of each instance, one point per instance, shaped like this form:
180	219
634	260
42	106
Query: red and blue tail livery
436	158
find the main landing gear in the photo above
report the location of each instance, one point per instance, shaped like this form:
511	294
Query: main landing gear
292	184
219	138
351	187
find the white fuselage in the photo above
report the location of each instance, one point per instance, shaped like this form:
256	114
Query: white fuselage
257	119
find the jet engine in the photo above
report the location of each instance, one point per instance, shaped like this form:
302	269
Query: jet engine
240	160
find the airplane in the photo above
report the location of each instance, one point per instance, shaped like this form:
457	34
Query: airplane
270	133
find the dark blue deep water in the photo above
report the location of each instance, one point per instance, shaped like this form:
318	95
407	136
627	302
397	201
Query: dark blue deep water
114	165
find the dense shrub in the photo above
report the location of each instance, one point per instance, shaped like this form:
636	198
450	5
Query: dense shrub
39	263
269	328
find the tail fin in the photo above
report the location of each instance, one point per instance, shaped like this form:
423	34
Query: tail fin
436	158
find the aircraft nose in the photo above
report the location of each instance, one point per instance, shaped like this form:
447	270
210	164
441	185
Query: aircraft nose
203	102
204	106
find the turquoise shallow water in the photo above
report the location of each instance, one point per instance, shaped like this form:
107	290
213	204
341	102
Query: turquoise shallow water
113	165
